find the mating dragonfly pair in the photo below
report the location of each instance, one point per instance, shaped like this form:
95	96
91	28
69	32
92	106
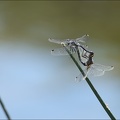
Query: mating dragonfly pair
85	56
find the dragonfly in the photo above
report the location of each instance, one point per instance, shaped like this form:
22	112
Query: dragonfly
92	68
71	45
85	56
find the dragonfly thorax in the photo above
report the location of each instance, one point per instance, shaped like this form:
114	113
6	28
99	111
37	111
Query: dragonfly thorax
71	43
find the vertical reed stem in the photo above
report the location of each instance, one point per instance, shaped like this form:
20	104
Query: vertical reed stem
92	87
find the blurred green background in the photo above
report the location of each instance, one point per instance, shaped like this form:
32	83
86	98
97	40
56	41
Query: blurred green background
35	84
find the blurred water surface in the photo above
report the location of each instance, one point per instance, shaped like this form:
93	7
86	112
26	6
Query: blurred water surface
34	84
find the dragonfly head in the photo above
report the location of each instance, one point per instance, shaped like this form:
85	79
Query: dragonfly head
64	43
70	43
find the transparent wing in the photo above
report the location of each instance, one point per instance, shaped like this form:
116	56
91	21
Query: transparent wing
102	67
62	51
83	39
95	72
54	41
79	78
99	70
58	41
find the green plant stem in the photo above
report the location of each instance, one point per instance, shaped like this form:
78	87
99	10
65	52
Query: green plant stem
92	87
4	109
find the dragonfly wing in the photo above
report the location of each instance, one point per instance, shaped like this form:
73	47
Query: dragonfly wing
99	70
83	39
54	41
58	41
95	72
103	67
61	51
79	78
